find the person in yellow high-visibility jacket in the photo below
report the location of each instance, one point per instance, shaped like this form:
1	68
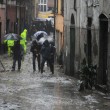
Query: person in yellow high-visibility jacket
24	41
24	34
10	44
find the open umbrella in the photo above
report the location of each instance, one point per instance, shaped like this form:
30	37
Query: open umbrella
12	36
39	34
43	39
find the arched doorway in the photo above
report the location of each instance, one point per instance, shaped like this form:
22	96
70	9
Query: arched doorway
89	41
103	44
0	36
72	45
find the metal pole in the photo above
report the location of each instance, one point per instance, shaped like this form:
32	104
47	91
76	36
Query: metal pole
16	19
6	16
20	17
54	17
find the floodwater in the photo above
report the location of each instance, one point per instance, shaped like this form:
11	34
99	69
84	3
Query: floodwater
26	90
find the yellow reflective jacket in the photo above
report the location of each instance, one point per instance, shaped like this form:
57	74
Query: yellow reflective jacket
24	34
10	43
22	42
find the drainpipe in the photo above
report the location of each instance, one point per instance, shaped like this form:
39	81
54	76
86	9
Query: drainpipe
54	17
87	33
16	24
20	17
6	17
79	35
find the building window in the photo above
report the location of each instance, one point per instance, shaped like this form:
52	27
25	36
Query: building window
41	8
45	1
95	2
41	1
43	5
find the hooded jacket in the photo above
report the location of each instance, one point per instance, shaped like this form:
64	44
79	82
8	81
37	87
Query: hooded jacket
46	50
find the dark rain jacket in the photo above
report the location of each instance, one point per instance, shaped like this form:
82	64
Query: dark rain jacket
46	50
17	50
35	48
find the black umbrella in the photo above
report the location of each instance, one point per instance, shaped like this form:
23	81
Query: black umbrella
43	39
39	34
12	36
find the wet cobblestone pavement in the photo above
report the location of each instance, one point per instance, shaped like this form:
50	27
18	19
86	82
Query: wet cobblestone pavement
26	90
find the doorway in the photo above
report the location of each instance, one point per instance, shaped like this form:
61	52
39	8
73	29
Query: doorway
0	36
103	44
89	42
72	45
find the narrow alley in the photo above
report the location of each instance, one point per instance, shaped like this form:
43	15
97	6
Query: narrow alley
26	90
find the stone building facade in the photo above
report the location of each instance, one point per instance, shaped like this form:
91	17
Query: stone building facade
86	36
15	15
2	21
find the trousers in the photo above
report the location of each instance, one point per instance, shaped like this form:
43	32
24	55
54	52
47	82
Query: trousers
34	62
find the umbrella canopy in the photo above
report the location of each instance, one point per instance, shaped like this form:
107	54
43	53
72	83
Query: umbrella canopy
39	34
12	36
43	39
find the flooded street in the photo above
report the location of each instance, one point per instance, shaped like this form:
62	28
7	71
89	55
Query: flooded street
26	90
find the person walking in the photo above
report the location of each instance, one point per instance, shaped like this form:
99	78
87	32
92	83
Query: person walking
18	52
52	54
23	41
35	49
46	56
